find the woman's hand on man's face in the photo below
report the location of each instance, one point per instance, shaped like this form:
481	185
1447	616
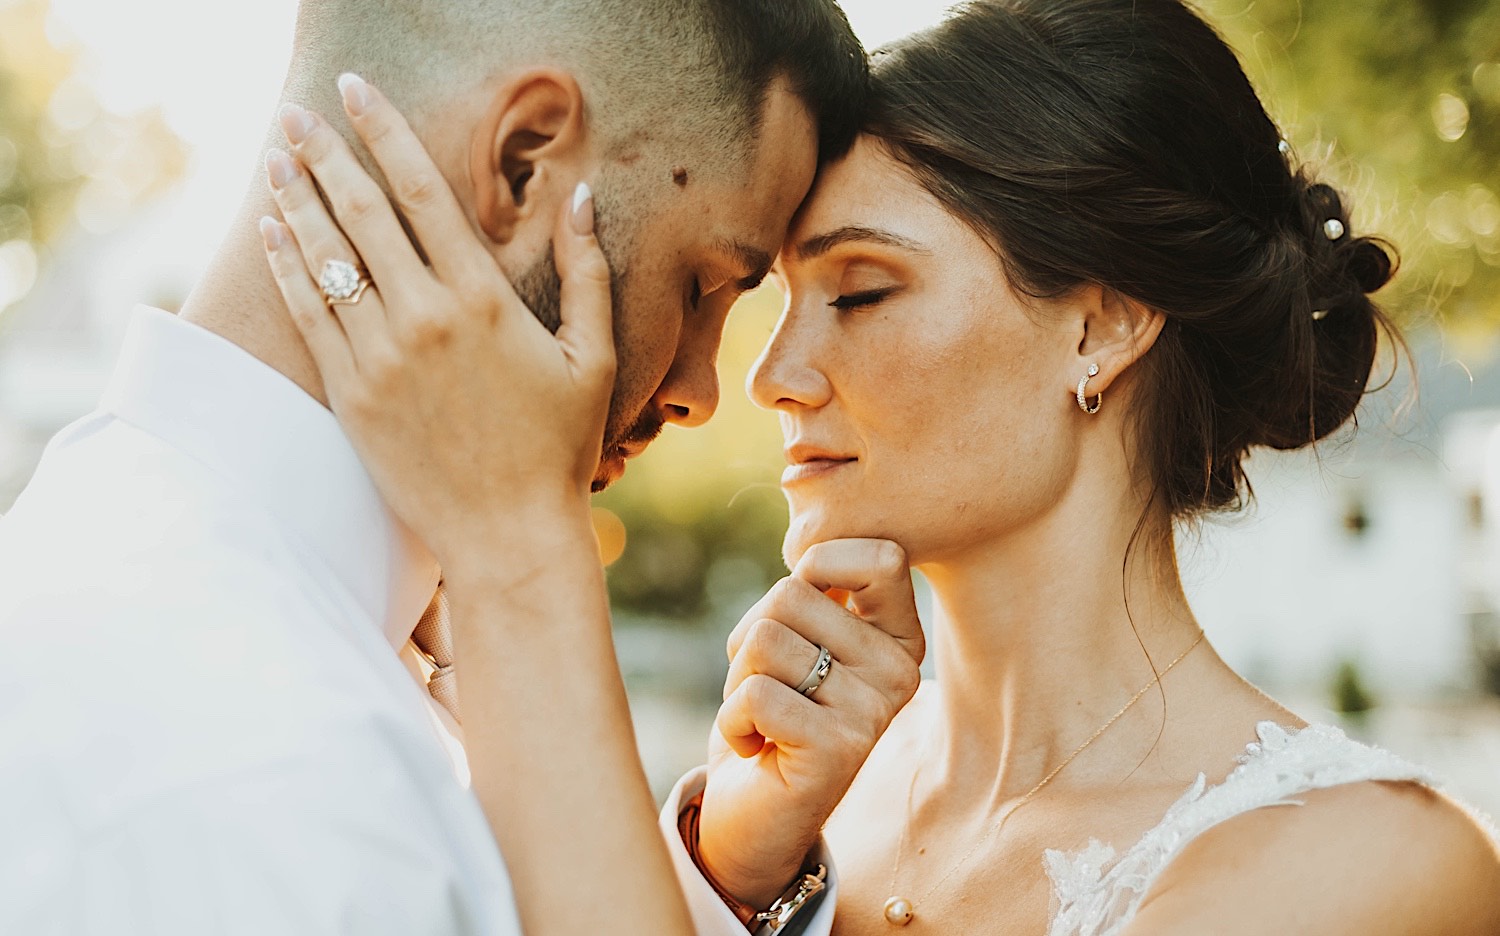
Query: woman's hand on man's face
464	407
780	761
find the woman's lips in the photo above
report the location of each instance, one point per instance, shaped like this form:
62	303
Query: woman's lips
813	468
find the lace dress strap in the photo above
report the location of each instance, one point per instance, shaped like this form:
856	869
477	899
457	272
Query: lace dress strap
1097	895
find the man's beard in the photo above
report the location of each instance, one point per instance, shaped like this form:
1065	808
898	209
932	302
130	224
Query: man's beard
540	288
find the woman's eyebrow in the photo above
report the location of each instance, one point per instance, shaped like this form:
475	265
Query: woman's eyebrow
820	244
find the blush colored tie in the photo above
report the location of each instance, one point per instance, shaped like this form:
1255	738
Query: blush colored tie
435	641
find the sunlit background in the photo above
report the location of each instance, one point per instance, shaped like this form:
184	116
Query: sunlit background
1363	588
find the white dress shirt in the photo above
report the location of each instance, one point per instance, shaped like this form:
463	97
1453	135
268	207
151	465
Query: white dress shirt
205	727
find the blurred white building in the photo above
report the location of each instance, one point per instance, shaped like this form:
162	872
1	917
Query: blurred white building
1382	551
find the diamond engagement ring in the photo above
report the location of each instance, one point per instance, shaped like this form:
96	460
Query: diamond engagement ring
342	283
820	672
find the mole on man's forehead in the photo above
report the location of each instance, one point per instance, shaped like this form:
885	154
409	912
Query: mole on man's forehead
680	175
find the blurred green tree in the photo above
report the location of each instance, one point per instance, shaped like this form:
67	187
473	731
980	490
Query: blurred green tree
65	162
1399	100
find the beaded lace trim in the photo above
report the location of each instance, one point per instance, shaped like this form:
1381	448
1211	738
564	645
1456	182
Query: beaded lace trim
1097	895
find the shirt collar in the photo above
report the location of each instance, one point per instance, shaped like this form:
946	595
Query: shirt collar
214	401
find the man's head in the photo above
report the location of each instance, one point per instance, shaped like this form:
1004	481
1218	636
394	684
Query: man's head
699	123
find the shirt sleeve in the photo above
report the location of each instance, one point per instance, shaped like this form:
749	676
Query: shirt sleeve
711	917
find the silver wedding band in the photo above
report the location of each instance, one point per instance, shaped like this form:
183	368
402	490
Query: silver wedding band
820	672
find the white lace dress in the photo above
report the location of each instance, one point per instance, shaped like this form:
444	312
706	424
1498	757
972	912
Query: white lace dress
1097	893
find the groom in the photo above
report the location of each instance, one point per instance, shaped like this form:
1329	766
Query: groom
205	721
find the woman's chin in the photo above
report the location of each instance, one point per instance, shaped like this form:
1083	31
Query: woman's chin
808	528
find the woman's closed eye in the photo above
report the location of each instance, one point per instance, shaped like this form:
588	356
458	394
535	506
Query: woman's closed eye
864	298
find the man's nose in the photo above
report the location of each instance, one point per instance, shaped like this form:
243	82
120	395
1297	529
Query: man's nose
690	393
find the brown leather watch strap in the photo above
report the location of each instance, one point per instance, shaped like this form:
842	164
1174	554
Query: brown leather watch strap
687	827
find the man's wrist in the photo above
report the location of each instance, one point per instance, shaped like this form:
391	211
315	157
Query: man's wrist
497	549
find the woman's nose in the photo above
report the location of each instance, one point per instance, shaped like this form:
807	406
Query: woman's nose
790	369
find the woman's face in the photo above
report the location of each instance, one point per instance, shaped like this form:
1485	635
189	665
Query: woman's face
920	399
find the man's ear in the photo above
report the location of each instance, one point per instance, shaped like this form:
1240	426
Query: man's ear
532	127
1116	332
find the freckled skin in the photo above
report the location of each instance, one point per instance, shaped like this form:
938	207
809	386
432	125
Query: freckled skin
945	391
942	410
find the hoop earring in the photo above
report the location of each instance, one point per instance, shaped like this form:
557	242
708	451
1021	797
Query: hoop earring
1083	385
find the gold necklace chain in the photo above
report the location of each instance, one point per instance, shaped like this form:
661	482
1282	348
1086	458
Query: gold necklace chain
898	910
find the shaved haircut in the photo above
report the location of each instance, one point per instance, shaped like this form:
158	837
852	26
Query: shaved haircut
653	72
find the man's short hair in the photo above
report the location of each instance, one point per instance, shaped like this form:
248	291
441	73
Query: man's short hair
654	72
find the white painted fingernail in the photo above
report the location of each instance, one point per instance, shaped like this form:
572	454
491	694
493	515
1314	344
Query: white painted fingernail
583	209
356	93
296	123
280	168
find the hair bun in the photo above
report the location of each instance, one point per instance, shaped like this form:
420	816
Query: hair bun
1328	350
1347	262
1370	264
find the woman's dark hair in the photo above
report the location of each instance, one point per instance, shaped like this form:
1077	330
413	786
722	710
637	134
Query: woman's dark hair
1119	143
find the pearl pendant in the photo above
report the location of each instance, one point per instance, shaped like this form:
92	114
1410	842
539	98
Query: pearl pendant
899	911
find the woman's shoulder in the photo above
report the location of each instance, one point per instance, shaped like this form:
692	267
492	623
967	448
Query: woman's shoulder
1372	846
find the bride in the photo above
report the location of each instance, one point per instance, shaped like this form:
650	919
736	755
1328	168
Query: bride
1069	278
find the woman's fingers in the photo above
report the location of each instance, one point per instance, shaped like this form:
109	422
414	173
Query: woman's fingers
877	579
416	184
819	620
320	330
587	332
763	709
770	648
320	241
360	208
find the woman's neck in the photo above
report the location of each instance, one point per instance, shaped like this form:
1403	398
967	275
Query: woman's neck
1035	647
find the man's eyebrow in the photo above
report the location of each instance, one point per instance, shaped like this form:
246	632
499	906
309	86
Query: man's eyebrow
755	262
820	244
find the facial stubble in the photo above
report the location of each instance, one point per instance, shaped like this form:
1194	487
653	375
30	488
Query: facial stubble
540	287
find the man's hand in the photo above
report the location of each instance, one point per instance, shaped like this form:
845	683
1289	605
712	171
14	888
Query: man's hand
779	761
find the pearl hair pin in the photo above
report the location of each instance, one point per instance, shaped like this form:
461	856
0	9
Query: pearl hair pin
1333	229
